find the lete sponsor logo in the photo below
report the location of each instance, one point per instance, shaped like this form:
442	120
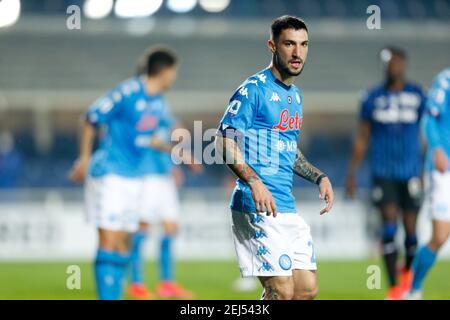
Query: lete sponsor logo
288	122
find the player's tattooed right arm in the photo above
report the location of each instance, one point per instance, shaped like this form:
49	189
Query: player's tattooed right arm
232	155
233	158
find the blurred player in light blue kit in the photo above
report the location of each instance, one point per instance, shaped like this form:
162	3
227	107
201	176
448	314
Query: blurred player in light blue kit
436	127
127	119
164	208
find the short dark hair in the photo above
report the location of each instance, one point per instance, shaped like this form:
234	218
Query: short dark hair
387	52
155	59
286	22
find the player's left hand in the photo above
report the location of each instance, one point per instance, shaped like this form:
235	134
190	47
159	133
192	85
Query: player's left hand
327	194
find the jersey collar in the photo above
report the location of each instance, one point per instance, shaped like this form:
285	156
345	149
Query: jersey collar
269	74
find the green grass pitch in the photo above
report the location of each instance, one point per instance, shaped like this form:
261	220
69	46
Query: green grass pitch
208	279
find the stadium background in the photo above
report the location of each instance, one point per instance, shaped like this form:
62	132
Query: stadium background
49	75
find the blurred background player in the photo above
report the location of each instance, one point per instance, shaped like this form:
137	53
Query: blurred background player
127	117
389	124
436	125
164	207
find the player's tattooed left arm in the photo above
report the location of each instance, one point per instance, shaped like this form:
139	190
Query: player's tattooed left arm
306	170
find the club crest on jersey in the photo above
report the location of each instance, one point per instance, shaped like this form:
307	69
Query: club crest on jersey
141	105
289	99
288	122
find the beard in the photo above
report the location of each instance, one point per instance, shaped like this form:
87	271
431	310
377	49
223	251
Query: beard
283	67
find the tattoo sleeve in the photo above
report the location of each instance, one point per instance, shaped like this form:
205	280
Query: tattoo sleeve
306	170
234	160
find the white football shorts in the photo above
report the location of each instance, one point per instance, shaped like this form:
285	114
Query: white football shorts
119	203
112	202
268	246
160	200
437	193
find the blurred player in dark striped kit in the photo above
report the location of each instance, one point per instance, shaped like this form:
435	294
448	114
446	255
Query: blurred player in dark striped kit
389	123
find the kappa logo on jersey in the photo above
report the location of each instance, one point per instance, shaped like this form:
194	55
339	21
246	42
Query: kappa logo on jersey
253	81
105	105
234	106
116	96
243	92
140	105
275	97
262	78
297	98
288	122
147	122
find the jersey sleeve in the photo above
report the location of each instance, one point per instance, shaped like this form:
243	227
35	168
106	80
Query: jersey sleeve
437	100
105	108
365	112
438	97
242	109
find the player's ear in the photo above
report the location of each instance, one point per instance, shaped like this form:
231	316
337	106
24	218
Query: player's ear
271	45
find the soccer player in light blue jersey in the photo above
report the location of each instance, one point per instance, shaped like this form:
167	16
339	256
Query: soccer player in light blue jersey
163	207
436	127
257	138
390	125
126	119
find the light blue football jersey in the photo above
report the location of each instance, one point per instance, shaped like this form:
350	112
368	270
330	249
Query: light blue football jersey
436	122
127	118
268	115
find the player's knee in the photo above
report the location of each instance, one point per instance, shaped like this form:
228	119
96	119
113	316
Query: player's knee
389	232
107	241
144	226
286	292
309	293
389	212
438	240
170	228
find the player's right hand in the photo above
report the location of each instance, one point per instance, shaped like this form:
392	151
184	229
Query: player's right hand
350	187
263	199
440	160
78	172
